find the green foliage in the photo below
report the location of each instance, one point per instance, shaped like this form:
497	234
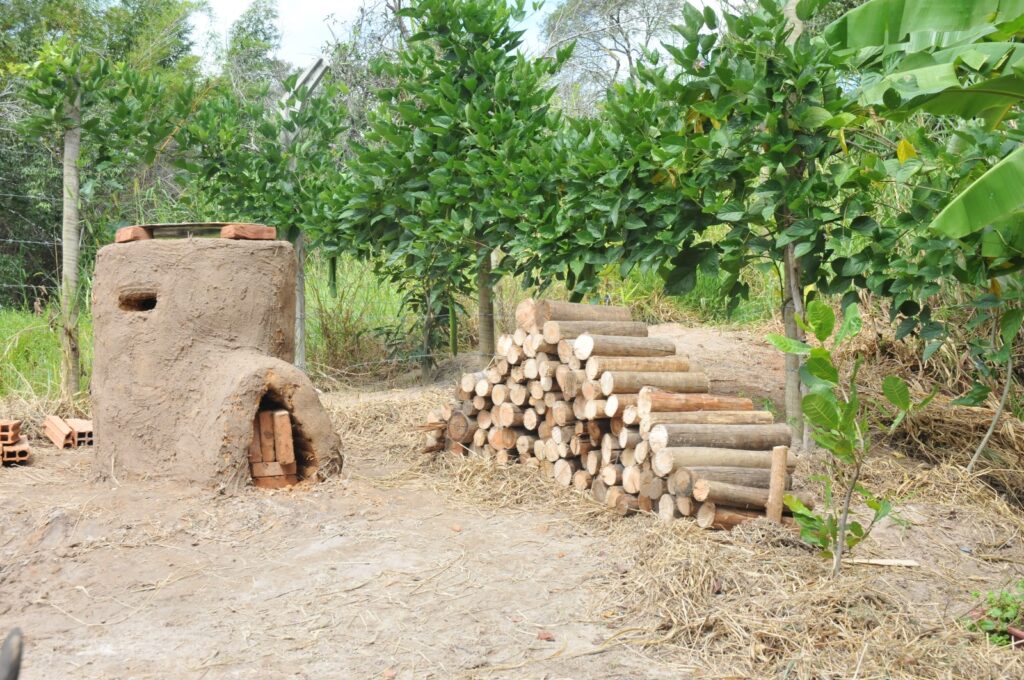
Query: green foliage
836	415
996	611
445	176
30	352
280	166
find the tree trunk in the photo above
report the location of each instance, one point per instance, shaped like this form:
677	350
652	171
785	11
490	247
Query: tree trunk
300	302
332	276
792	305
485	292
453	328
70	353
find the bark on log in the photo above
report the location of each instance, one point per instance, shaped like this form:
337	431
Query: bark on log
594	408
744	476
625	504
736	496
706	418
619	382
569	381
554	310
655	400
598	364
674	458
680	482
777	483
565	351
563	414
588	345
628	438
555	331
714	516
750	437
591	389
652	487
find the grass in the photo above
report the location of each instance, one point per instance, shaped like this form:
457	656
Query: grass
363	333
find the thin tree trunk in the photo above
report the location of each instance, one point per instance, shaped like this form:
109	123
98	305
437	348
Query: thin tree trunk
484	284
791	306
70	353
332	276
428	322
453	328
300	302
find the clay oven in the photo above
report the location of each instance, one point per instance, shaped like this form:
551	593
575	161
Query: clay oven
193	337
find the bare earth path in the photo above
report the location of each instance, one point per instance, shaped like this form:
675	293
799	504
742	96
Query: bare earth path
380	575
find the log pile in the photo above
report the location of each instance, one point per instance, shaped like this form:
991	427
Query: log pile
14	448
584	394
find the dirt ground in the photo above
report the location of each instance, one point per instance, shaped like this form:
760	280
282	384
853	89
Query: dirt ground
405	569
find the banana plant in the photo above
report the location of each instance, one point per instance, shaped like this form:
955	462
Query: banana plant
961	59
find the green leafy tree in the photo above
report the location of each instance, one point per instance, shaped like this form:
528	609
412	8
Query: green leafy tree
435	190
77	94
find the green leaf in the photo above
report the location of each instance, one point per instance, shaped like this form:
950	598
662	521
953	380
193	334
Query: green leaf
788	345
805	9
821	410
821	318
993	197
897	392
851	324
1010	325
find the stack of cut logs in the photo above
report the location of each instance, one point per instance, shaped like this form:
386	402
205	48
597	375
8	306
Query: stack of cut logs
583	393
272	451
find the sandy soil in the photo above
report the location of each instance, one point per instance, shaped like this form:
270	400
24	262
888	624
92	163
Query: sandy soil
372	575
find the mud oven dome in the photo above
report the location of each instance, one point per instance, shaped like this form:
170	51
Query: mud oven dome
193	343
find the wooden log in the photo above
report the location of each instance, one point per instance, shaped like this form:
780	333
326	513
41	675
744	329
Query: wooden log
625	504
561	434
580	445
562	413
673	458
503	457
544	429
641	452
483	387
705	418
499	394
564	471
538	447
461	394
749	437
525	313
667	510
588	345
509	415
503	437
777	483
535	389
599	490
535	346
680	482
468	408
611	475
502	365
514	355
515	373
555	331
479	403
581	480
714	516
653	487
630	416
461	427
546	367
627	457
591	389
594	408
554	310
631	481
628	438
502	343
744	476
644	503
479	438
620	382
736	496
524	445
484	419
518	394
530	369
596	429
446	412
493	375
551	397
654	400
568	380
530	419
609	443
519	335
598	364
615	426
593	461
687	506
616	405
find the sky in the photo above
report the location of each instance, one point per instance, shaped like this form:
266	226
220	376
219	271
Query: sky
306	27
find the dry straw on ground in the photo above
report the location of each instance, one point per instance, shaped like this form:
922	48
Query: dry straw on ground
754	602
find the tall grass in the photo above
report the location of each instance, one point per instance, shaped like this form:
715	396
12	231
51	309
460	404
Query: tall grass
30	352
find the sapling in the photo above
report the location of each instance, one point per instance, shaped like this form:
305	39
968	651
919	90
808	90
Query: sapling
839	424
